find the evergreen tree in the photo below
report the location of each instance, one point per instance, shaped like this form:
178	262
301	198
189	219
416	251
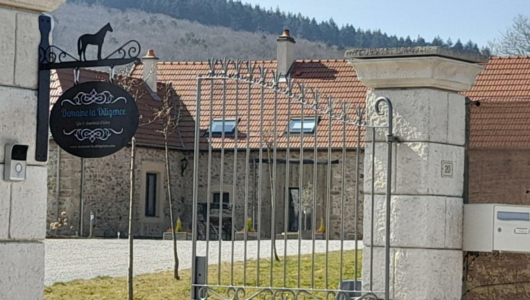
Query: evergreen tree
449	43
486	51
437	41
458	46
239	16
420	42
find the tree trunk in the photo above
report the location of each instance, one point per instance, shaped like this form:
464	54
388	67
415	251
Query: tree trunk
273	204
130	290
168	180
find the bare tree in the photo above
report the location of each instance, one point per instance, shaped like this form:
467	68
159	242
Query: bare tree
136	88
516	39
168	114
269	140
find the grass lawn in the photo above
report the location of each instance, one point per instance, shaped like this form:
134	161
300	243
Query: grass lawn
162	285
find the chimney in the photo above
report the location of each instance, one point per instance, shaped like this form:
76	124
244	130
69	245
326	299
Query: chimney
150	72
284	52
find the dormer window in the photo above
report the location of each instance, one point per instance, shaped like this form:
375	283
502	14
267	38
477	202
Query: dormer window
305	125
218	126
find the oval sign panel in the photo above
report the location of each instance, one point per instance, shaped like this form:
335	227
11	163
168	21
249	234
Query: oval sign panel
94	119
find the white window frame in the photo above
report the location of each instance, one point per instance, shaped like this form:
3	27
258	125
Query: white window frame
307	119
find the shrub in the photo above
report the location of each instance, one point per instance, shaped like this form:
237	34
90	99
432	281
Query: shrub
249	225
178	227
322	227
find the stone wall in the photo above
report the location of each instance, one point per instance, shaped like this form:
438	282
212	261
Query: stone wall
106	190
499	176
22	204
253	202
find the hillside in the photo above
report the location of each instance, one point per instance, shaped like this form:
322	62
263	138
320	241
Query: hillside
245	17
171	38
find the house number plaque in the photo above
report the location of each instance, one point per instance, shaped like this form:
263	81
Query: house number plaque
447	168
94	119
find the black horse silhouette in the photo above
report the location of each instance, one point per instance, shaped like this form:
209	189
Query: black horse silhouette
92	39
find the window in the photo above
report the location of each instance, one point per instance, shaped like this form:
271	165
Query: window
226	198
151	194
217	128
309	123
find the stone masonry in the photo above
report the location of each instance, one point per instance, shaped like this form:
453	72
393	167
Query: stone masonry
428	171
22	204
106	190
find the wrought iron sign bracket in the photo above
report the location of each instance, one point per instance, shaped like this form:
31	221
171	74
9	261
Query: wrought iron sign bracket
52	57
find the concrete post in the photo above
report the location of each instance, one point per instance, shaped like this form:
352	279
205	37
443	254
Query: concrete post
428	167
22	204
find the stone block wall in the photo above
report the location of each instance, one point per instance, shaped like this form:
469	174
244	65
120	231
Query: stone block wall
266	216
499	176
106	190
22	204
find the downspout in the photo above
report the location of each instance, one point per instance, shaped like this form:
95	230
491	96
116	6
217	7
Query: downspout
58	183
254	194
82	196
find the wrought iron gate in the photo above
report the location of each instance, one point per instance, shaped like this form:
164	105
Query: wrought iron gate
269	150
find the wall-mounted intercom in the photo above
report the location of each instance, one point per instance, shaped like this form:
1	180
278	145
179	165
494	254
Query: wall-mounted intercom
496	227
15	162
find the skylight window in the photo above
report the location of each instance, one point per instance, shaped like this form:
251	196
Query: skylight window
217	128
307	126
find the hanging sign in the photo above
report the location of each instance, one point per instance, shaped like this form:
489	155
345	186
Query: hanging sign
94	119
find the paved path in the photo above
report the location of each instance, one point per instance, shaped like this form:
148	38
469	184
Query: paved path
67	260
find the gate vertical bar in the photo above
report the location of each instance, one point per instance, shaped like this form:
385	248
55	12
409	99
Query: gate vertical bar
372	213
342	191
389	139
250	70
357	189
287	184
315	183
274	184
328	189
234	178
194	289
221	182
300	189
260	167
209	183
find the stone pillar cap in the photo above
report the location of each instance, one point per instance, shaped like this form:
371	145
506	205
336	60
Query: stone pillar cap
33	5
416	67
373	53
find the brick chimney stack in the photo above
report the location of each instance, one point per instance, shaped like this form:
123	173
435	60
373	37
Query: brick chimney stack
285	52
150	71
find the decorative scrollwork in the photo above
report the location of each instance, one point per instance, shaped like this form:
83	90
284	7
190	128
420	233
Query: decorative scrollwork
54	54
131	49
285	85
125	54
240	293
93	97
92	135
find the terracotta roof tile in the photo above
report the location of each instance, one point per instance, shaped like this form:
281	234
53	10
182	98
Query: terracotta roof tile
61	80
500	121
334	78
503	90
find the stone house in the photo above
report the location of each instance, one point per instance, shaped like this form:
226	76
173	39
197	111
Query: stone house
105	187
499	168
498	165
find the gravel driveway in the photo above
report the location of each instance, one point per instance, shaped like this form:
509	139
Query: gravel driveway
67	260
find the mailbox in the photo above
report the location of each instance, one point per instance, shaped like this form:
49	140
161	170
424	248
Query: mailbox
496	227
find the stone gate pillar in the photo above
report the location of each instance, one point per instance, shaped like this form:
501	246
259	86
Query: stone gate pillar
428	167
22	204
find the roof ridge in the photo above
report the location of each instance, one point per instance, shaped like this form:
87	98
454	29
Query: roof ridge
511	57
184	62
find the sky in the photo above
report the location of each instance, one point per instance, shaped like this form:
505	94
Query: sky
478	20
